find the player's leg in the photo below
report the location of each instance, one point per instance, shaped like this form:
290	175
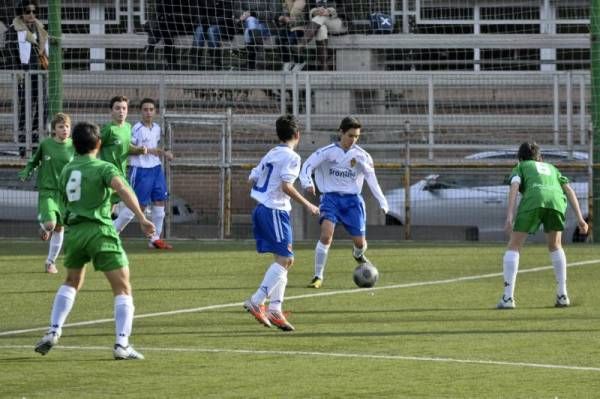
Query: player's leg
272	231
554	223
354	219
115	265
123	313
56	242
328	208
275	313
321	252
75	259
510	268
142	192
525	222
158	196
48	213
559	263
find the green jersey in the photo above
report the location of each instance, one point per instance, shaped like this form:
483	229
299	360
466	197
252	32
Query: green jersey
85	190
115	145
541	186
50	159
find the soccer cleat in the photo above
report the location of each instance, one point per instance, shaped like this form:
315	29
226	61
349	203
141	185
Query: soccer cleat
506	303
159	244
278	320
562	301
258	311
50	268
315	283
126	353
46	343
361	259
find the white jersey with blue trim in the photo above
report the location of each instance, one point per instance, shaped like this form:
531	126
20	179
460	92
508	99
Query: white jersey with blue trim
339	171
149	137
281	164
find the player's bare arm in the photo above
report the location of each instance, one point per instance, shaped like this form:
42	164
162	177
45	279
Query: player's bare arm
131	201
510	211
135	150
572	197
290	190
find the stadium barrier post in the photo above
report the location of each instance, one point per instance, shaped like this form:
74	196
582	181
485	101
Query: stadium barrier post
55	83
595	64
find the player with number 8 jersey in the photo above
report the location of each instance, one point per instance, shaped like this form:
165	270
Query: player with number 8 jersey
87	184
87	181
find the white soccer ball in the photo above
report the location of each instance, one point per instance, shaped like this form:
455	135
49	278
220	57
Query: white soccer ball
365	275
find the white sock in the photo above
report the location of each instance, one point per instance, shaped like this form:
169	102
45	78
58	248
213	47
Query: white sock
125	216
273	276
158	217
63	303
321	252
55	245
276	299
358	252
559	261
511	267
123	318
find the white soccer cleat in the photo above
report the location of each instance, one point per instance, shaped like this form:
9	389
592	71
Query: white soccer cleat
126	353
506	303
562	301
47	342
50	268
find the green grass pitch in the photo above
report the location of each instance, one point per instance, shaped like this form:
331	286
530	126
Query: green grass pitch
428	330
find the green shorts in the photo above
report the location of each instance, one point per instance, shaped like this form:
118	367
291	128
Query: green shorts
48	207
96	242
529	221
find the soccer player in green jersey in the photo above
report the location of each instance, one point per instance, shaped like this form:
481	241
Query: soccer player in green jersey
116	138
544	194
86	187
49	160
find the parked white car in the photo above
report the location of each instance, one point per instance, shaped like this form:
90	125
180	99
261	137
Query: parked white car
22	205
462	200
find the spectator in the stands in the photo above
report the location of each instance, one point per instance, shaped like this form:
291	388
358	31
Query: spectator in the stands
291	29
27	45
170	18
324	20
259	18
214	24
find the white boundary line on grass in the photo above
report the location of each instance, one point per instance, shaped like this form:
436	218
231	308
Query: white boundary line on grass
313	295
331	354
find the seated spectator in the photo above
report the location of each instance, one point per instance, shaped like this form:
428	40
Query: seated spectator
170	18
259	18
214	24
324	20
292	24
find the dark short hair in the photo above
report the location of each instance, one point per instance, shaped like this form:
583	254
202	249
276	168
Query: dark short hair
118	99
23	4
147	100
85	137
286	126
529	152
349	122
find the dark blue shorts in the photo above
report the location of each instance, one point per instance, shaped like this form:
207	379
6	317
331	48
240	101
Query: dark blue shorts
149	184
272	231
348	209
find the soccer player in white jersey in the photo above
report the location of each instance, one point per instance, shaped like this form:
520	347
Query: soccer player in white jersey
146	174
272	182
340	170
